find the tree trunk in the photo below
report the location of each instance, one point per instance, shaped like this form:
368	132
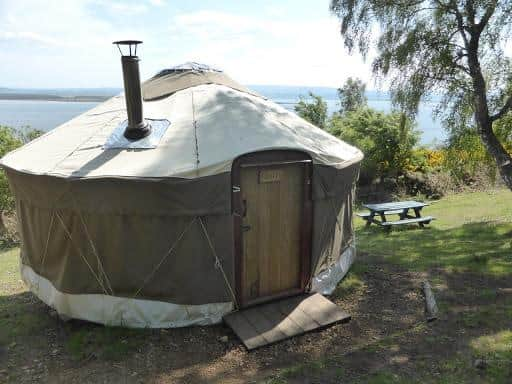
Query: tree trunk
496	150
482	117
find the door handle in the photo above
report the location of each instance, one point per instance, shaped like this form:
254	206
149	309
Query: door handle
246	227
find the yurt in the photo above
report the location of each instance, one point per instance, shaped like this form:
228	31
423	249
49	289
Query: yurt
175	208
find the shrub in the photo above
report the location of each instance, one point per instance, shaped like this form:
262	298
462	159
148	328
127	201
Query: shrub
10	139
466	158
386	139
313	110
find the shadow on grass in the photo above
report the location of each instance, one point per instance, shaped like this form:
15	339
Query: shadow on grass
477	247
385	342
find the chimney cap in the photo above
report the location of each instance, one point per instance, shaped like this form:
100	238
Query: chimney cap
130	44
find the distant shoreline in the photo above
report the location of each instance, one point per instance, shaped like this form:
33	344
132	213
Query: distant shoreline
43	97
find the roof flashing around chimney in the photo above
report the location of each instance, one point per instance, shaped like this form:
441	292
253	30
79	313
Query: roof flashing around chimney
118	140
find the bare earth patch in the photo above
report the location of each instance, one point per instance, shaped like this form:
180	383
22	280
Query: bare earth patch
386	341
465	254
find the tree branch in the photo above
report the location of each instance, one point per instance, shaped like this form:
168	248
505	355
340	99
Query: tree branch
485	18
461	26
470	13
507	107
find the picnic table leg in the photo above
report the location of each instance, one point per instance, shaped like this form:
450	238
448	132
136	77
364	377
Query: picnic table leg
417	214
369	219
383	218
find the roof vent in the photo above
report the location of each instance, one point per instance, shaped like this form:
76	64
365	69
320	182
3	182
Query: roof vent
137	127
188	67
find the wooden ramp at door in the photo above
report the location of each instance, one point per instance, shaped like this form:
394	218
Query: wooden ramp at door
272	322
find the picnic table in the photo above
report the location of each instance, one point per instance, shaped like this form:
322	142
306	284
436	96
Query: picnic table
400	208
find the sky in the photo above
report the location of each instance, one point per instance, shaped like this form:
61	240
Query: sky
68	43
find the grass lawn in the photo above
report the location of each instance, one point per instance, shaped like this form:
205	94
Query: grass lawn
466	254
473	232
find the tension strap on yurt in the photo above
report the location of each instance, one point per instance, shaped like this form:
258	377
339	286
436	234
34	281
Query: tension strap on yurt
80	253
167	254
100	265
45	252
218	263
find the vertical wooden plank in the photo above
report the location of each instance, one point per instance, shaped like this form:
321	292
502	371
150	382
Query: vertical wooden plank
275	230
250	284
291	199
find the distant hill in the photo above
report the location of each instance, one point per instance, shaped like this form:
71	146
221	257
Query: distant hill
58	94
284	93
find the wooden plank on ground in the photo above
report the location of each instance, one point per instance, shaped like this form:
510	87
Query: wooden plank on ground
279	320
244	330
322	310
265	327
284	322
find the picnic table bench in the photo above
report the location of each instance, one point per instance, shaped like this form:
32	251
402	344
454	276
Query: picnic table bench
400	208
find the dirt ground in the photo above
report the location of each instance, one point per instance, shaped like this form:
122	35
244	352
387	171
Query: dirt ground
387	340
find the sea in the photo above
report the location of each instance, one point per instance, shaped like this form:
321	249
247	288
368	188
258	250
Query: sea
46	115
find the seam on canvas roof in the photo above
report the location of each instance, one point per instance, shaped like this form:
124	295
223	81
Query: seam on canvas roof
195	132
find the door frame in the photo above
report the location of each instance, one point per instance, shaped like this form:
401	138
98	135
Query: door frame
267	159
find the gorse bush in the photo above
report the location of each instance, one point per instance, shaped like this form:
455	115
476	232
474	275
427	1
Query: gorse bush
466	158
389	142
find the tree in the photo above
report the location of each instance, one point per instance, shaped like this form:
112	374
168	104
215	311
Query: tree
352	95
386	139
454	48
313	110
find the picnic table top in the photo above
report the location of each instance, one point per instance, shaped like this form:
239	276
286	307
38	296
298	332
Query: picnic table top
398	205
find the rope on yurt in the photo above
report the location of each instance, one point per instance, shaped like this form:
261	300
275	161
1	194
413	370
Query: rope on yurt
45	252
218	264
100	265
167	254
80	253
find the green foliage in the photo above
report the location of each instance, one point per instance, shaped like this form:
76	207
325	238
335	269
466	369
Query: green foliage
11	139
27	134
503	130
420	46
352	95
8	142
465	156
313	109
450	48
386	139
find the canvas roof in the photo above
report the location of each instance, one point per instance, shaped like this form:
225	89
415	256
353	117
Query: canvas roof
211	125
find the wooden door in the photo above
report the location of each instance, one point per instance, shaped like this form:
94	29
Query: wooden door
272	202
